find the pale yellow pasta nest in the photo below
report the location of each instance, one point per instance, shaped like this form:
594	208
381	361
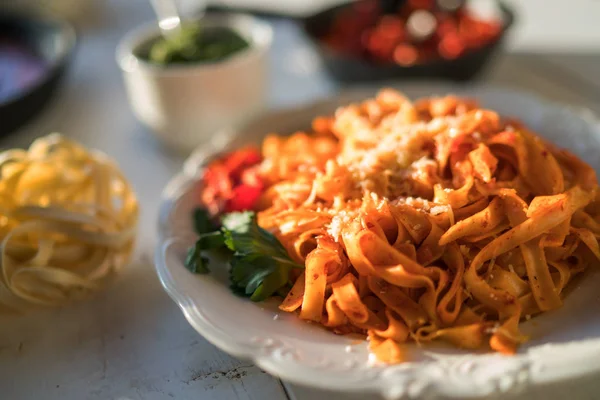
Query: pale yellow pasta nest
68	221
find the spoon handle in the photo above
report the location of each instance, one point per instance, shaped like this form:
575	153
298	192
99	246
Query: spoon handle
168	17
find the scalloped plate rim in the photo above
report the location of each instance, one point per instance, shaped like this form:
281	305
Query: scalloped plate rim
179	182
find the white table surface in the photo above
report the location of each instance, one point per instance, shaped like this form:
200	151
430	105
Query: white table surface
132	342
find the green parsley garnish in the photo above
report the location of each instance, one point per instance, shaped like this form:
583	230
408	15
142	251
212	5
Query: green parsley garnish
202	222
245	237
260	265
195	44
195	261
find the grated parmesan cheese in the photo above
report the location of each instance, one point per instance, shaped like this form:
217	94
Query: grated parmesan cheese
439	209
338	222
415	202
390	147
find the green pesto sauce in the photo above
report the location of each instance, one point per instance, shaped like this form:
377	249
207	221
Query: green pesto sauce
196	45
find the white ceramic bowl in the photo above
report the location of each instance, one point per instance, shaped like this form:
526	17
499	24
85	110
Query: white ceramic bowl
564	344
187	105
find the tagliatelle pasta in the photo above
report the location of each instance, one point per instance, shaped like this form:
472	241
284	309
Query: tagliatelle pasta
68	220
426	220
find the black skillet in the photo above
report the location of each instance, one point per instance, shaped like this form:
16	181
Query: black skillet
348	68
34	53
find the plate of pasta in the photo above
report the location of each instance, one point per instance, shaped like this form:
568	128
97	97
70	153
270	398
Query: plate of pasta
435	241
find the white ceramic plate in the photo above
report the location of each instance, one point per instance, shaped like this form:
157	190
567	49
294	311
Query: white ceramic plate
565	344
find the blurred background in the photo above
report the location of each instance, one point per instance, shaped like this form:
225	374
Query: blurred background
550	48
543	24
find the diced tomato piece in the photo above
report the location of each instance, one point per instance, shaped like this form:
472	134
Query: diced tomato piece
251	177
244	198
232	183
218	177
237	161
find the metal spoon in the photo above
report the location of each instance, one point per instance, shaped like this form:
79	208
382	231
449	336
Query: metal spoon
168	17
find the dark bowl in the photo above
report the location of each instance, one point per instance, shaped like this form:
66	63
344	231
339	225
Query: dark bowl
52	41
349	68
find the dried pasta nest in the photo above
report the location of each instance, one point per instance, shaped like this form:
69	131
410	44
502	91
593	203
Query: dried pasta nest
68	221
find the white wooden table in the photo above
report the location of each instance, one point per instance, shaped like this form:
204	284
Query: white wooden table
132	342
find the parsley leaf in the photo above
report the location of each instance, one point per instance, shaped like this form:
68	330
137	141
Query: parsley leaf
244	236
271	283
248	272
211	241
260	265
194	261
202	222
